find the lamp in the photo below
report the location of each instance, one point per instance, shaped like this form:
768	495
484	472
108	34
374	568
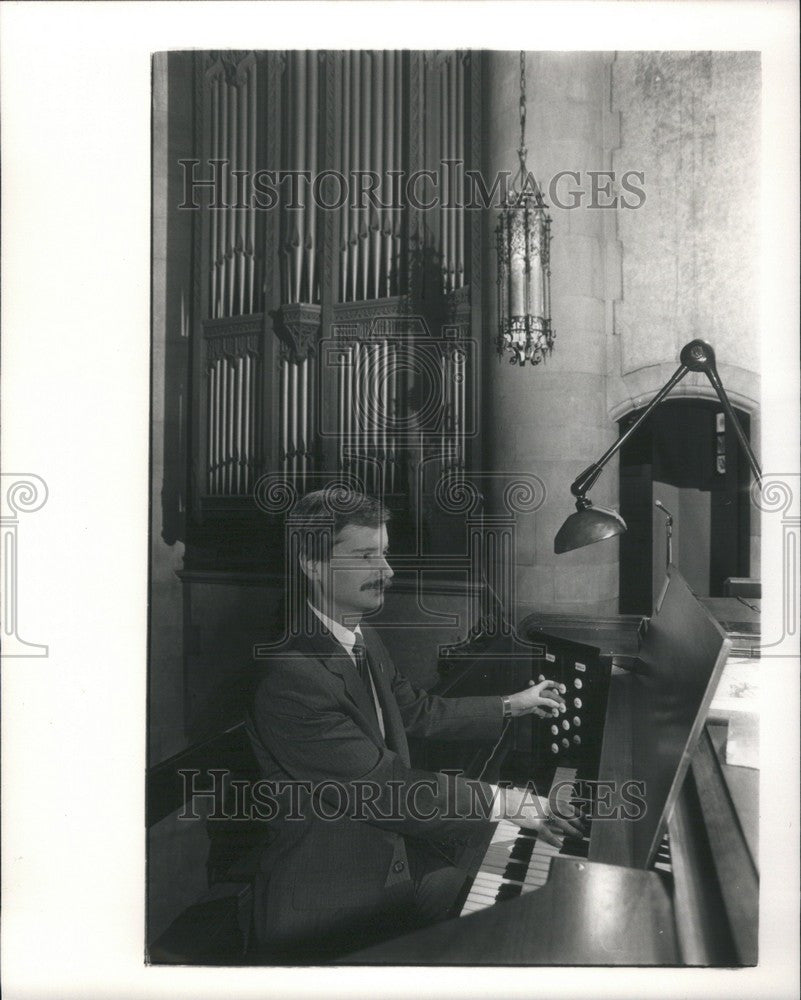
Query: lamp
523	244
593	524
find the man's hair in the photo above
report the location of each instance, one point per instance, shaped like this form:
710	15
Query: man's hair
320	516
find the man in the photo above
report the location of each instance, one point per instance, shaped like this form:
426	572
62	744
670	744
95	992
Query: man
365	846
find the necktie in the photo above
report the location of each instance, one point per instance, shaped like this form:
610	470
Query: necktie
363	666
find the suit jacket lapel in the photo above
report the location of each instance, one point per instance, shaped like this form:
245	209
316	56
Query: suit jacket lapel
333	655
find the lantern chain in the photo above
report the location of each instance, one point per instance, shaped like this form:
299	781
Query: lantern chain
522	151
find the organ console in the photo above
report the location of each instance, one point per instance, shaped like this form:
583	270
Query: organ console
667	872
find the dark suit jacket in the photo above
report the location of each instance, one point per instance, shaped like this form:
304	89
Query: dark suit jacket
312	721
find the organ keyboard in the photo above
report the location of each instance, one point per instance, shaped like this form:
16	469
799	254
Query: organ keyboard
517	860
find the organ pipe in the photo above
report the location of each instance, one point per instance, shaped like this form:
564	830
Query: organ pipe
234	254
364	160
345	169
252	167
355	110
461	155
398	165
389	159
312	113
215	241
443	155
453	130
377	164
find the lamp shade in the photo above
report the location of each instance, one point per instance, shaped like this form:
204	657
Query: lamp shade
592	524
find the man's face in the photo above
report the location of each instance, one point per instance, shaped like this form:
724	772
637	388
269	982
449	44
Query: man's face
359	572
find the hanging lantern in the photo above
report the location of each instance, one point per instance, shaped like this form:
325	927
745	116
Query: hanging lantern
523	245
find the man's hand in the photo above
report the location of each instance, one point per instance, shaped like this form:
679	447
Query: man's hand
532	812
543	699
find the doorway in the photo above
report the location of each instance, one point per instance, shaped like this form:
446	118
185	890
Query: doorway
687	456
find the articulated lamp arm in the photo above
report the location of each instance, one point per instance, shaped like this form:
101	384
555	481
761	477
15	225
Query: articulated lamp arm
592	524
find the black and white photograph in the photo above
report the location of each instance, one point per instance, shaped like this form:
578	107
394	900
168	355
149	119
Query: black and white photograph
447	629
456	482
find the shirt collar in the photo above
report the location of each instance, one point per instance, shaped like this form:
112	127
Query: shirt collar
344	636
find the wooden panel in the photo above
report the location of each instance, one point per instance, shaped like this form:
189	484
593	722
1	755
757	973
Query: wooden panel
701	923
612	840
586	914
736	873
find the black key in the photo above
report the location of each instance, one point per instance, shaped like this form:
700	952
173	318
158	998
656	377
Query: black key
507	892
515	870
522	850
578	847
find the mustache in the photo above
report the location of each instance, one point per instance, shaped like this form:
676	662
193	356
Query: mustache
375	585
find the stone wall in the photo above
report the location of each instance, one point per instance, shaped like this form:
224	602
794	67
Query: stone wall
552	420
689	255
630	285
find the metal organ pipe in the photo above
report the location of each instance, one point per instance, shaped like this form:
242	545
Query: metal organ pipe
389	159
300	135
392	406
223	423
242	212
358	430
233	216
285	415
463	414
460	155
383	407
239	416
223	212
377	97
453	154
375	366
310	209
293	414
398	165
220	425
355	121
214	254
342	401
349	401
232	234
247	402
302	402
253	295
443	155
364	159
344	167
230	458
312	438
210	428
223	428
